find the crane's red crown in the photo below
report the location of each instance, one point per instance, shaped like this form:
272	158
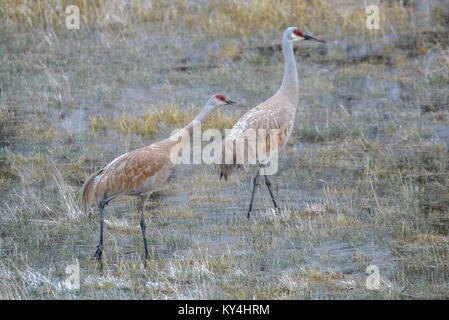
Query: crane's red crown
220	97
298	33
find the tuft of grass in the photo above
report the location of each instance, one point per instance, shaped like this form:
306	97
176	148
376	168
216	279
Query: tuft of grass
159	119
9	126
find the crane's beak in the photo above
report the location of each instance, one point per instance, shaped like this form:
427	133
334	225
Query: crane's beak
307	37
230	102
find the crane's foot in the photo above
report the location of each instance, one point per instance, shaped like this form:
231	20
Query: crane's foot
269	185
276	207
98	255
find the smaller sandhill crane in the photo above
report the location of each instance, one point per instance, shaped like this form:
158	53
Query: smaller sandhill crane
277	112
138	173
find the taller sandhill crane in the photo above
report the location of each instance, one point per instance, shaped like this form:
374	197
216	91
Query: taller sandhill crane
278	112
138	173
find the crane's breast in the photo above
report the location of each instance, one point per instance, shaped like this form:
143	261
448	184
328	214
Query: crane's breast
277	122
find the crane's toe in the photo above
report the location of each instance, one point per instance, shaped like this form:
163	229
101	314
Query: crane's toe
98	253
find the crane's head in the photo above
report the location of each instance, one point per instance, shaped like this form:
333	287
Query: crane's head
218	100
295	34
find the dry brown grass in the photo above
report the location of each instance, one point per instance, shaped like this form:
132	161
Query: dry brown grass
161	119
242	19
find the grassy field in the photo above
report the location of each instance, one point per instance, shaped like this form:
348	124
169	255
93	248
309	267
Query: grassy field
363	180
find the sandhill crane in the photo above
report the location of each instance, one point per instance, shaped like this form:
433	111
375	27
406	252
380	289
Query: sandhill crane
138	173
278	112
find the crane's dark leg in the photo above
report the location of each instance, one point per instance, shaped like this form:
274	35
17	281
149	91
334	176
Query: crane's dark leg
268	183
143	200
99	252
255	185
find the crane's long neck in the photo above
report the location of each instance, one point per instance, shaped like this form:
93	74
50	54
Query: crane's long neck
290	83
203	115
187	132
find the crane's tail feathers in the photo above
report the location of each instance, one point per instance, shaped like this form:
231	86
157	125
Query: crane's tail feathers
88	192
226	170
